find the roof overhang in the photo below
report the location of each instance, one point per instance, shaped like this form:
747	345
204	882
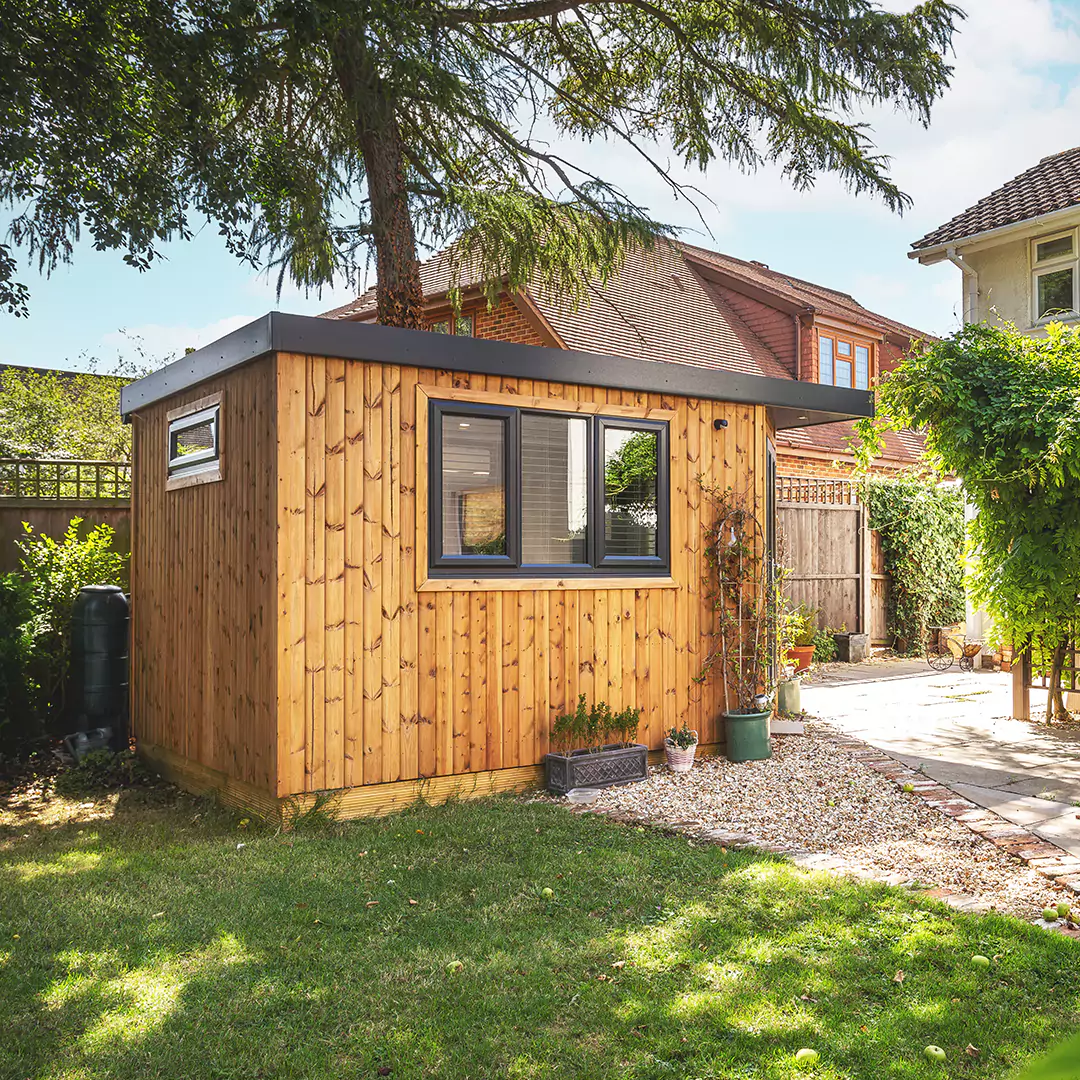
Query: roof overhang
791	404
752	289
936	253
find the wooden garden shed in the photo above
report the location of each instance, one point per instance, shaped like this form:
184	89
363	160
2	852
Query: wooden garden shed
380	563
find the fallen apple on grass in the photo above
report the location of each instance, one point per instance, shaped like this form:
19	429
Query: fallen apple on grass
980	961
806	1057
454	967
934	1053
548	893
1050	914
1063	910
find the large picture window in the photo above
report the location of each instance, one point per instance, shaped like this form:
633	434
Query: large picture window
519	491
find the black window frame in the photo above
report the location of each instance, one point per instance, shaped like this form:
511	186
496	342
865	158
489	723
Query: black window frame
600	564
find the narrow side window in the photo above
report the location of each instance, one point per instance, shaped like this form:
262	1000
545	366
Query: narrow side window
193	450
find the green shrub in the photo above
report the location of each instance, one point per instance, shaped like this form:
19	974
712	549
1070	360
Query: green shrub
53	572
824	645
922	535
19	692
590	729
102	770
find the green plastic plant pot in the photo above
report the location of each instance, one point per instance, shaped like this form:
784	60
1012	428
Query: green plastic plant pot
747	736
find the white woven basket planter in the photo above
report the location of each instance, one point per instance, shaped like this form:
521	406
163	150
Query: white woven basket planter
679	760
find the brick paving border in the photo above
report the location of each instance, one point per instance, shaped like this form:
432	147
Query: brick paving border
1040	855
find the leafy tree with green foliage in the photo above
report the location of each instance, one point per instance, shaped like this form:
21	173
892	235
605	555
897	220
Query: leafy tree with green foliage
59	414
1001	411
312	131
921	525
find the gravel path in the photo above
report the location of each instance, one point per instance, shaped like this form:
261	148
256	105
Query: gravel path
817	796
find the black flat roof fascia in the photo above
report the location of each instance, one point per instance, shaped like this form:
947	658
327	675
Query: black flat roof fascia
794	404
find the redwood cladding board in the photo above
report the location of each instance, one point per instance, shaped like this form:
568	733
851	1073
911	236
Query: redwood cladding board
378	682
203	573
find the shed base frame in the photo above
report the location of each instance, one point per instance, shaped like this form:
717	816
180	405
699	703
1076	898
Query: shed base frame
343	804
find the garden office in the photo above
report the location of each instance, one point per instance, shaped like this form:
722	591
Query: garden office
380	563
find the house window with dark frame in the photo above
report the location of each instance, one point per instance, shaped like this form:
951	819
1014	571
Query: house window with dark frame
1055	277
194	442
537	493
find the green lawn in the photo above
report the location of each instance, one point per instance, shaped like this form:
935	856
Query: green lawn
148	945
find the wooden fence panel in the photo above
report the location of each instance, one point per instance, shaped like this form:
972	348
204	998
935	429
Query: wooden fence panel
835	566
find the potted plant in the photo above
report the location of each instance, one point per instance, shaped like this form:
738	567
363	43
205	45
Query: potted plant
744	588
799	627
595	748
851	648
679	747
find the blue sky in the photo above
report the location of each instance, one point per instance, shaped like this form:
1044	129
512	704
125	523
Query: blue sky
1014	99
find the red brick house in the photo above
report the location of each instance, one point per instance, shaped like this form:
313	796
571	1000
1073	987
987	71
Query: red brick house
687	305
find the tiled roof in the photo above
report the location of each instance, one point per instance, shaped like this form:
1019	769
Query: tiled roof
655	308
902	447
823	300
1053	184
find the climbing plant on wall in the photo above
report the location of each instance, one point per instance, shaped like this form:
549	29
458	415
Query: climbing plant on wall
921	524
1001	411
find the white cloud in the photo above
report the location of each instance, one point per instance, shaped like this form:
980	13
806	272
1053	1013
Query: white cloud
1006	108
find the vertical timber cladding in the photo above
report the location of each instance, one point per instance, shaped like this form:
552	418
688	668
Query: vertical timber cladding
379	682
203	612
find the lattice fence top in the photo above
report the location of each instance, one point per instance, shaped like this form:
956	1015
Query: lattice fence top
812	489
26	478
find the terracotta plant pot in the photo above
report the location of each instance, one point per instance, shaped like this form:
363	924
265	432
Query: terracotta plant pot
678	759
800	656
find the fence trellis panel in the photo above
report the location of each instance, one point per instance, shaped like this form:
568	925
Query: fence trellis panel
835	559
27	478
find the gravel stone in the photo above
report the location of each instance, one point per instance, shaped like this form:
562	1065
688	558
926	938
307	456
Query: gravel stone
822	797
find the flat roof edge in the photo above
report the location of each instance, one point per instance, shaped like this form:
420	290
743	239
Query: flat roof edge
801	402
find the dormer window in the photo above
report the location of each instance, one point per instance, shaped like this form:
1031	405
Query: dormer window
1054	277
843	361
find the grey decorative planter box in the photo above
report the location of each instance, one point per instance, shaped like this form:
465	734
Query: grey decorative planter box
606	768
851	648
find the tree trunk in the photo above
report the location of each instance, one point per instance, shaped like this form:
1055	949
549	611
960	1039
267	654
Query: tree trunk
1055	702
399	294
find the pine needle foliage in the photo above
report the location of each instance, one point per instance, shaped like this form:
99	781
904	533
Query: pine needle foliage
314	133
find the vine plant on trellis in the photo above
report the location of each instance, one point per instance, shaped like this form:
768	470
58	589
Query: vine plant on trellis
743	586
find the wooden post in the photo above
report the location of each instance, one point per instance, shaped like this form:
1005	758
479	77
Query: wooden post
1021	685
866	571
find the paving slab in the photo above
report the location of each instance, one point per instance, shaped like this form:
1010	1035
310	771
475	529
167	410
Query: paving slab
1063	831
952	773
1019	809
957	730
1047	787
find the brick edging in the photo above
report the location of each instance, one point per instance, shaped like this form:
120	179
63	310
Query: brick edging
1042	856
1048	859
